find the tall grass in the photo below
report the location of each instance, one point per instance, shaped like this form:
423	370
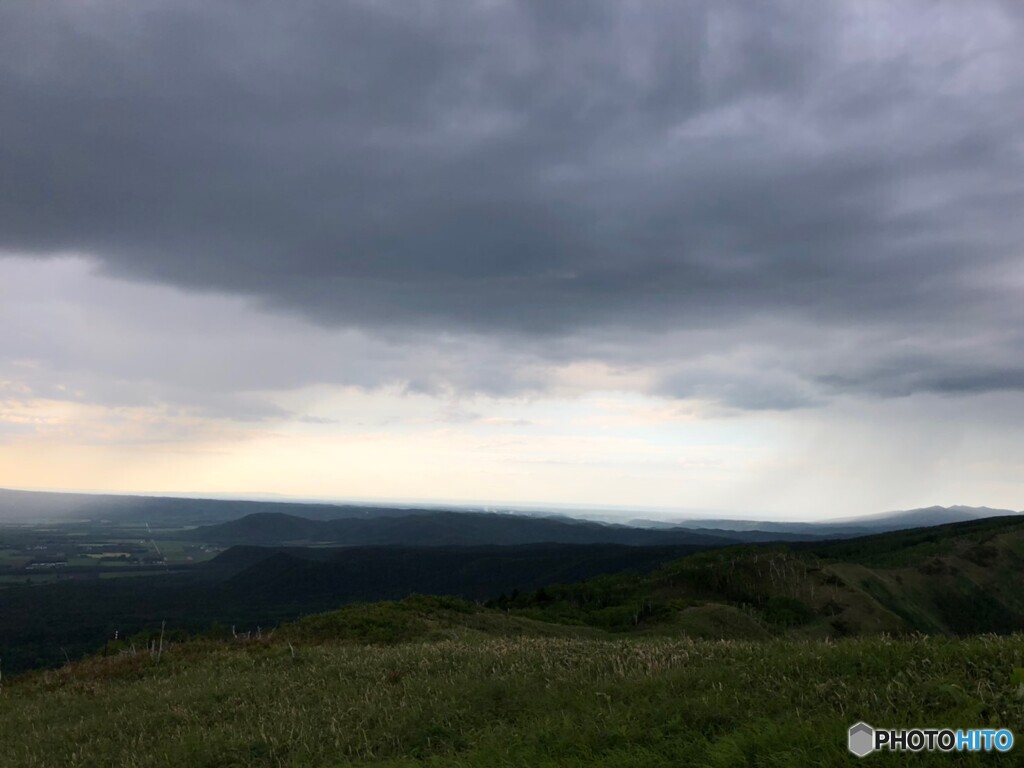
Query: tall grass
506	701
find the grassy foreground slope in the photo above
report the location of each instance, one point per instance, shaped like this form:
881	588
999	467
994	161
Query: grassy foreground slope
477	699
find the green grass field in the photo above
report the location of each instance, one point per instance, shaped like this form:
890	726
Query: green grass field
475	698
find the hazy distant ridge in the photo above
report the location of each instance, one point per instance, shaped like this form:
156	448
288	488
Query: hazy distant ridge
442	529
275	522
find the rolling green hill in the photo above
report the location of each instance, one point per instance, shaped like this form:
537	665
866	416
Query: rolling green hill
963	578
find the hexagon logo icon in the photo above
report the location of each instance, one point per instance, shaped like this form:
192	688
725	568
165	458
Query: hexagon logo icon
860	739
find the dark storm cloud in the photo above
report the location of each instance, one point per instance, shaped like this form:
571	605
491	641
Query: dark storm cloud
543	171
910	376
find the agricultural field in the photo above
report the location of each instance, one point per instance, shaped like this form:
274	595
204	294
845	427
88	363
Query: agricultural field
44	553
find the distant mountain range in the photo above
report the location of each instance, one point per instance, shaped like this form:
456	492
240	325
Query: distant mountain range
475	528
18	506
928	516
843	527
275	523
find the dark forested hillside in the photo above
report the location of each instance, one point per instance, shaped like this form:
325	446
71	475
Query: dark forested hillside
252	586
450	528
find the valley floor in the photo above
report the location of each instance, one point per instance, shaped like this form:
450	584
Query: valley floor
491	701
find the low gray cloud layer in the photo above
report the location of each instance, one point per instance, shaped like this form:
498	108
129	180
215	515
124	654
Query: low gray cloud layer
825	194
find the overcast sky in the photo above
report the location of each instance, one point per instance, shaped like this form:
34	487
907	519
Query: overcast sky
759	257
